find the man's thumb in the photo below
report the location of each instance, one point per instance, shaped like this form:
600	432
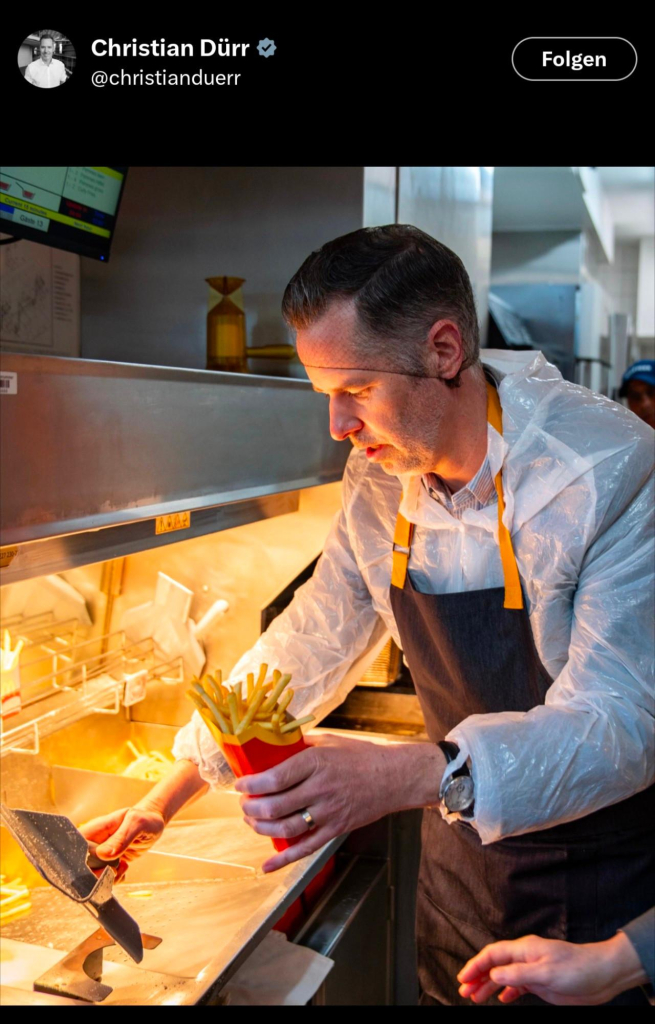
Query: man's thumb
118	843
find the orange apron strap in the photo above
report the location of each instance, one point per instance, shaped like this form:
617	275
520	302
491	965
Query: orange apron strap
402	538
513	593
402	542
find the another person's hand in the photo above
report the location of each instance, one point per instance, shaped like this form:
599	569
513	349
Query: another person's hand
562	973
343	783
126	833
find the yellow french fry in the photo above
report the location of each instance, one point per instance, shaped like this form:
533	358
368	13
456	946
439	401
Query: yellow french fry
199	703
207	716
251	712
263	669
234	711
250	682
214	690
273	699
7	642
222	724
296	723
285	701
209	702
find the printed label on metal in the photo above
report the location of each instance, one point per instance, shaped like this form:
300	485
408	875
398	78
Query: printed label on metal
7	556
174	521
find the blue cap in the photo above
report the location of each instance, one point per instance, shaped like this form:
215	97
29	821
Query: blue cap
643	370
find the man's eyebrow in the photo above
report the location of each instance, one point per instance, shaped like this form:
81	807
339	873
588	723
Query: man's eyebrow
361	385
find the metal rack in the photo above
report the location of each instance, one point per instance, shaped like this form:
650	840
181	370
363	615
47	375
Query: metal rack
66	675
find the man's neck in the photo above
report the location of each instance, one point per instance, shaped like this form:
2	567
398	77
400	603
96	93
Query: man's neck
465	421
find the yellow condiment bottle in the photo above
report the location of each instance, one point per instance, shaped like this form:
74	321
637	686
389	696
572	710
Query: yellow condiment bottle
226	325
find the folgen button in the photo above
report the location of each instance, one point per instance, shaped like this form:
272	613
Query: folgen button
574	58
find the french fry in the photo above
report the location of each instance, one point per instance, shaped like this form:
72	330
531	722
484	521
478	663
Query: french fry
251	712
212	690
7	642
200	704
223	690
206	714
296	723
273	699
234	712
15	654
250	682
280	710
208	720
263	669
285	701
209	703
276	675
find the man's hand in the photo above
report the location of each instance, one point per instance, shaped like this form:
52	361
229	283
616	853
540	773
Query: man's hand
343	783
562	973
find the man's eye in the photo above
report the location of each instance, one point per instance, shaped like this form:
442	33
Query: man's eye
361	394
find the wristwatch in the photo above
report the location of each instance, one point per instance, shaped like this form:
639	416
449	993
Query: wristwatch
457	793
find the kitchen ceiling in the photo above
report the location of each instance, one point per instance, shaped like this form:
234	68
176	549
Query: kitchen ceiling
551	199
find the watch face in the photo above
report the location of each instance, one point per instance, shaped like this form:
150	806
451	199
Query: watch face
459	793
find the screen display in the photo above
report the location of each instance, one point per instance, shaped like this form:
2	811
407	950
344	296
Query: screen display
70	208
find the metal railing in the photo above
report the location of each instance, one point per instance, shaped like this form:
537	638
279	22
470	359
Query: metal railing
66	675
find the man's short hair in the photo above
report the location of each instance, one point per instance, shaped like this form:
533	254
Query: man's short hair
46	35
402	281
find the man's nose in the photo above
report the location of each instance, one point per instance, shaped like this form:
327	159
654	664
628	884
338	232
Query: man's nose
342	422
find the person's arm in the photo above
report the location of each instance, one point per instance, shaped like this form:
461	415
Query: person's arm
130	831
641	933
28	76
590	745
562	973
330	624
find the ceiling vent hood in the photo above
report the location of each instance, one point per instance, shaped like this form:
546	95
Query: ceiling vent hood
94	452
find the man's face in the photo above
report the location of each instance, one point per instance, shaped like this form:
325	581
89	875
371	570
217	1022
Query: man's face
397	419
47	50
641	400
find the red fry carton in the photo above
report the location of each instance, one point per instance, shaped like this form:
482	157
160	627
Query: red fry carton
255	750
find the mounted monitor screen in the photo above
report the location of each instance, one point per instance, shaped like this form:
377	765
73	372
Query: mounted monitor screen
70	208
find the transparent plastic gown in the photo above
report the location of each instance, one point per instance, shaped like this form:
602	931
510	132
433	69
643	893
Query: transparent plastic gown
578	481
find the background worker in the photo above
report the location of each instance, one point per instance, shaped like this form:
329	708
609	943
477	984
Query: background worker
638	386
563	973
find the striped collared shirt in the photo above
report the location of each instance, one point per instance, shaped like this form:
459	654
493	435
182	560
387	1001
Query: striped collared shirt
480	491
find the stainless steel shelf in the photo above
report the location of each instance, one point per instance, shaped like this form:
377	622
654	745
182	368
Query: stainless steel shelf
96	446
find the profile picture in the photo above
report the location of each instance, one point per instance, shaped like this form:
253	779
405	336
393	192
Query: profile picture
46	59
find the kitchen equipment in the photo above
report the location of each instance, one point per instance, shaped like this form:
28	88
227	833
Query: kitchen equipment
78	974
61	855
166	620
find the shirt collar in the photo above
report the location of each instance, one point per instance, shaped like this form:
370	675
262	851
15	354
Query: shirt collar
419	508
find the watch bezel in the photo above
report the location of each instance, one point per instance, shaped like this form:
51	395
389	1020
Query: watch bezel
458	794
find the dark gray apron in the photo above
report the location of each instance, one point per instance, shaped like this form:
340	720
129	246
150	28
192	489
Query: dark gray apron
581	881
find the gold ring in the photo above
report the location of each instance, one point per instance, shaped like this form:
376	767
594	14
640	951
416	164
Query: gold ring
308	818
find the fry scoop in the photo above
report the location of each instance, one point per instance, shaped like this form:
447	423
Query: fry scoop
62	856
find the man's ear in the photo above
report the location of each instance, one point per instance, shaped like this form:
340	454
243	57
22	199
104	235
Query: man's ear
446	350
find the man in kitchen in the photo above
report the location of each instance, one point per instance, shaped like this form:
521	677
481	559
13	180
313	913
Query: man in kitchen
496	522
